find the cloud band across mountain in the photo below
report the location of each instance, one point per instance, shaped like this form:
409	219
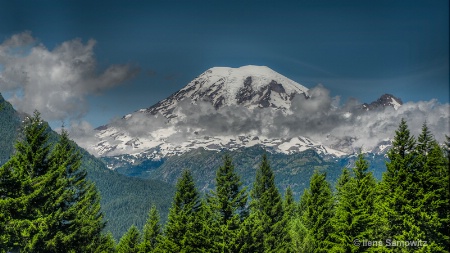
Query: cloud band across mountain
225	108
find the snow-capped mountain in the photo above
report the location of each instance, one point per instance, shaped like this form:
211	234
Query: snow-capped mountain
383	101
161	130
248	86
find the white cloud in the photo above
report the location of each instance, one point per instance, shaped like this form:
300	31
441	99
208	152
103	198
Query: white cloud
55	82
319	117
84	134
140	124
345	127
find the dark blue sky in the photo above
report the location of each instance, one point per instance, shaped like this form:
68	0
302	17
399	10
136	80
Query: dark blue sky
358	49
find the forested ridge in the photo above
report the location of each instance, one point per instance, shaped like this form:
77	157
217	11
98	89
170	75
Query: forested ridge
48	205
124	200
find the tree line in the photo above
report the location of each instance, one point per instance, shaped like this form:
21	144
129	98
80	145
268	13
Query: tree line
407	211
48	205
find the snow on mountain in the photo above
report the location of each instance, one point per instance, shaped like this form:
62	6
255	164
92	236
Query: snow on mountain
248	86
162	129
383	101
218	143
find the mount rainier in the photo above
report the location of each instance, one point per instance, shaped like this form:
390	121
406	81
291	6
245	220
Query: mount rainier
223	108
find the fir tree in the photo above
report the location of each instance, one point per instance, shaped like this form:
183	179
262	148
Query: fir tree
342	181
431	205
301	239
73	202
303	202
21	223
317	210
445	211
416	191
201	235
52	207
425	141
289	203
152	231
397	185
130	241
185	206
355	210
229	199
228	202
268	202
107	244
251	234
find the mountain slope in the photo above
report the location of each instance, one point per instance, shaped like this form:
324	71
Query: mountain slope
124	200
248	86
9	129
292	170
383	101
177	124
232	108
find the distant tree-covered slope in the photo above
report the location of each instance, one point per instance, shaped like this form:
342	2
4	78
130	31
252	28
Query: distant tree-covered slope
294	170
124	200
291	170
9	126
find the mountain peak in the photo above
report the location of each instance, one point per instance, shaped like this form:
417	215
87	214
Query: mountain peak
244	70
383	101
249	86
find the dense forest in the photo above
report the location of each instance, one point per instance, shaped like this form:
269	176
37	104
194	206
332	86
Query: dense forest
48	205
124	200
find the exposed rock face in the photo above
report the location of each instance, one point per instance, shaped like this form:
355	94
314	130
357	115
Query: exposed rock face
249	86
384	101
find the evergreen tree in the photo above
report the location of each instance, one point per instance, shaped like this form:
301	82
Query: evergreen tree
107	244
228	202
303	202
300	236
355	210
201	235
268	202
398	186
445	212
21	223
341	182
152	231
73	202
317	210
251	234
425	141
130	241
431	205
289	203
181	219
301	239
416	191
52	208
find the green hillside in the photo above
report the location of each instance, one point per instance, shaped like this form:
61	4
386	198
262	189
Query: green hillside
128	192
124	200
293	170
9	128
